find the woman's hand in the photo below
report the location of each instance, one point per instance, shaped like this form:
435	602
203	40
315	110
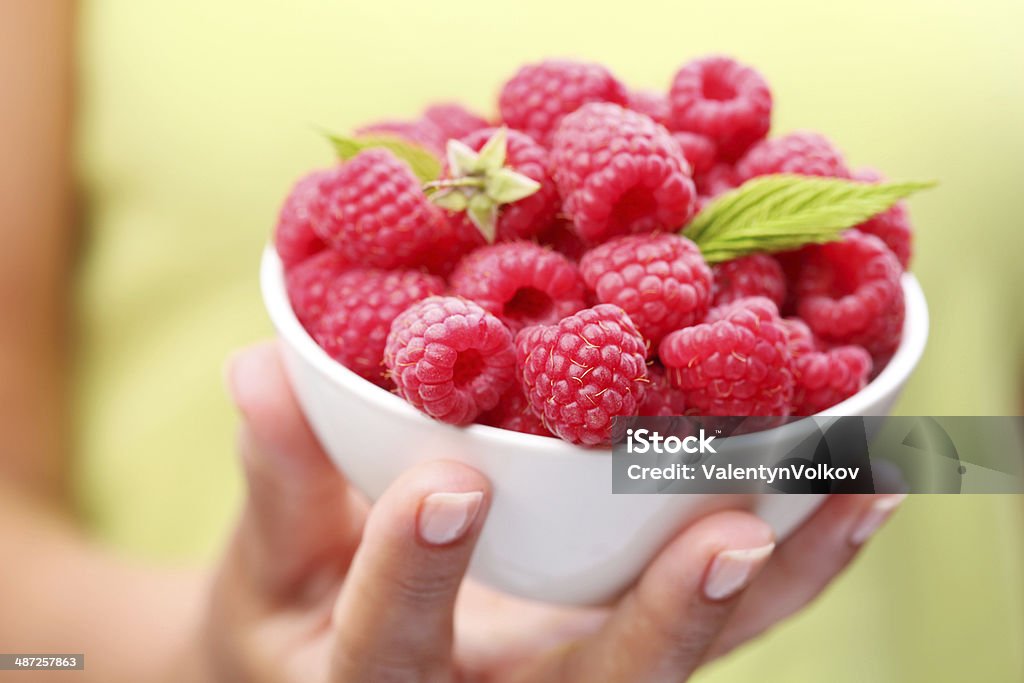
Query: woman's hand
317	587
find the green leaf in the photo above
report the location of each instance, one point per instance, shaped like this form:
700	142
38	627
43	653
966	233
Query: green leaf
782	212
423	163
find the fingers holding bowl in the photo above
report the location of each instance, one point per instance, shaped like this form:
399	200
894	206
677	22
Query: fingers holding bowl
805	564
394	617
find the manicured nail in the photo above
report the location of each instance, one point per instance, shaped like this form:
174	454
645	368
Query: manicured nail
445	517
732	570
874	517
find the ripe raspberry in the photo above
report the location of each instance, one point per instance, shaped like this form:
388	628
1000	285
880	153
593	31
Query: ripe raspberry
520	282
562	238
698	150
739	364
422	132
660	281
801	339
360	306
824	378
661	398
619	172
450	358
802	153
539	95
719	178
528	216
371	210
581	373
650	103
752	275
309	282
848	292
453	120
891	226
513	412
294	238
724	100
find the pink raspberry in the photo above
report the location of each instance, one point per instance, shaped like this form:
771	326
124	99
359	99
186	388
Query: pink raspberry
520	282
891	226
751	275
650	103
453	120
360	307
802	153
294	238
309	282
698	150
527	217
848	292
513	412
539	95
661	281
661	398
371	210
800	338
450	358
824	378
421	132
739	364
620	173
723	100
581	373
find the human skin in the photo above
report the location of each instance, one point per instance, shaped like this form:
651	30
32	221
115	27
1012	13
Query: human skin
313	585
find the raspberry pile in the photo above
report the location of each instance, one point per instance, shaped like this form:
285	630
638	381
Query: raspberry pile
542	284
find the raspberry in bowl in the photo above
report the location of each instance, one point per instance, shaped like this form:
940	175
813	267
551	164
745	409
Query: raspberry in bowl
499	292
555	531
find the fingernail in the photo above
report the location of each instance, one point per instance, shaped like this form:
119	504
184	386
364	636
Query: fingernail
732	570
874	517
445	517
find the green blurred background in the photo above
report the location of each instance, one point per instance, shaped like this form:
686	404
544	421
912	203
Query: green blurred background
195	117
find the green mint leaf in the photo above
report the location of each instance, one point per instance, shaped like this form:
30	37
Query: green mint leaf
423	163
783	212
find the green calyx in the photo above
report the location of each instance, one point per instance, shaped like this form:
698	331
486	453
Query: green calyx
480	183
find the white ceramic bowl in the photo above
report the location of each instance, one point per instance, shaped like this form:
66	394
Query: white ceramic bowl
555	531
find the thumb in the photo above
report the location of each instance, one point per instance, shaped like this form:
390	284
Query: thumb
301	521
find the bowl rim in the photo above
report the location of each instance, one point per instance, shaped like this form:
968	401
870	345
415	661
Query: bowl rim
275	298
